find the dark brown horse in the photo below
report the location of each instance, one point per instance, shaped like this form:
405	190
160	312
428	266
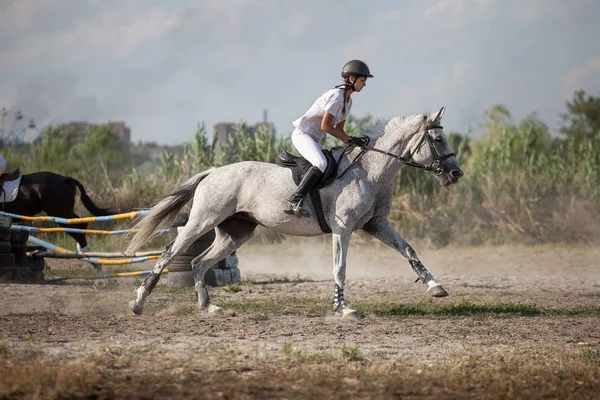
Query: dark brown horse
53	194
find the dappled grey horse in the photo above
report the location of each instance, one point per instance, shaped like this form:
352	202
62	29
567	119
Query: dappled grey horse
235	198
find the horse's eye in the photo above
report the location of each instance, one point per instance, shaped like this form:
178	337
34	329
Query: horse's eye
438	139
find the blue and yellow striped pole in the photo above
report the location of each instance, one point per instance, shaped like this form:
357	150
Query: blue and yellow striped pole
70	221
32	229
93	260
115	275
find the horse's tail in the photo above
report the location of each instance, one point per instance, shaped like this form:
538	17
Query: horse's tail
163	213
85	199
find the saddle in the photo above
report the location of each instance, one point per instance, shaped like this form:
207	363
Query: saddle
299	165
9	176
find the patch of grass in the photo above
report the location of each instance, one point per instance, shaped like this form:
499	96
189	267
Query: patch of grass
320	307
275	279
484	286
449	310
288	349
351	353
591	355
232	288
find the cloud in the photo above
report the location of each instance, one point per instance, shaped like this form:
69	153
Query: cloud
586	76
111	33
454	7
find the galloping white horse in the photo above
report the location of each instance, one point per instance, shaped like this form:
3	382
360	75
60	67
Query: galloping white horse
235	198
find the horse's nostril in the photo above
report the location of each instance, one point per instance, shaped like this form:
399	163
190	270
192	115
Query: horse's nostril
456	173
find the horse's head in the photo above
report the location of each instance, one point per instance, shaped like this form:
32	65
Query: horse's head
431	150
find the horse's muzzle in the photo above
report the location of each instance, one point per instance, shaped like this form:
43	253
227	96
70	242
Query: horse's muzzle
455	175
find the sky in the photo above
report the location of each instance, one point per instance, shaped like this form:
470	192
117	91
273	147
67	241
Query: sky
163	67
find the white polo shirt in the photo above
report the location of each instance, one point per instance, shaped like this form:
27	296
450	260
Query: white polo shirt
331	101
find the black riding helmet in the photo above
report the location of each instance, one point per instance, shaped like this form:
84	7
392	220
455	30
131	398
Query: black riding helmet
356	68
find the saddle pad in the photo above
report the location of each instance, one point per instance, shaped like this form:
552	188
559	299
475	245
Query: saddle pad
10	190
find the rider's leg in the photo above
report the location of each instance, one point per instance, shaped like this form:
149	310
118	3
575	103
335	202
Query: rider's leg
312	152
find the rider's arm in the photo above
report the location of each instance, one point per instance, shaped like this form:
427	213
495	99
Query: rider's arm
327	126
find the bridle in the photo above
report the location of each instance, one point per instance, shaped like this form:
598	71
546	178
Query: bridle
435	166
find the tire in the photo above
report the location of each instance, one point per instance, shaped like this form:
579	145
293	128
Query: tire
213	277
176	267
21	260
36	264
181	261
197	248
19	236
36	276
236	275
5	222
21	274
5	247
180	278
18	248
6	275
226	276
5	234
7	261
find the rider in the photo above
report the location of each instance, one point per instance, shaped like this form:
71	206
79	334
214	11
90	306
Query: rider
327	115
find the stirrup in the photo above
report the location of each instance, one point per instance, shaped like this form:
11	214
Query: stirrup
297	210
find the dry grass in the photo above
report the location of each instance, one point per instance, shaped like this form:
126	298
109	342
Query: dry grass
223	373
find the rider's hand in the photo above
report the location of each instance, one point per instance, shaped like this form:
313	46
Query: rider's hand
362	141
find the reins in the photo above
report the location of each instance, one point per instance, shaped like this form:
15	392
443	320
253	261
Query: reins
435	166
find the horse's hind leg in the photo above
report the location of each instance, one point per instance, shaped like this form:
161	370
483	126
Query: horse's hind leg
187	236
229	235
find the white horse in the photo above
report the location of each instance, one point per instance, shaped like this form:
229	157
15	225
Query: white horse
235	198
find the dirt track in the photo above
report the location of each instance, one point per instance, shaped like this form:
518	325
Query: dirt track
272	323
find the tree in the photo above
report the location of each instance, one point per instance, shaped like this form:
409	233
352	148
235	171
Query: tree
582	119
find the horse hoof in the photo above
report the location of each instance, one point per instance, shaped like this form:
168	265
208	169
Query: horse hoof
136	307
213	311
437	291
349	313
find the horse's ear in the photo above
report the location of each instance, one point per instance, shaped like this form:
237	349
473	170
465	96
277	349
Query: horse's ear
438	115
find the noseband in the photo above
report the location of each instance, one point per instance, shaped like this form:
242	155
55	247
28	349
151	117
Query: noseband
435	166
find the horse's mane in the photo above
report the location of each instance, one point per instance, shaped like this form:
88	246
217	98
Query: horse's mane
383	126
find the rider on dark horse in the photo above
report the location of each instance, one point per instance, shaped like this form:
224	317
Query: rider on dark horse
327	115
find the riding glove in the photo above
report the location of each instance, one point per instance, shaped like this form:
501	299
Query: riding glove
362	141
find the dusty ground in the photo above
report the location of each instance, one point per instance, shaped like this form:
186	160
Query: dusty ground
519	322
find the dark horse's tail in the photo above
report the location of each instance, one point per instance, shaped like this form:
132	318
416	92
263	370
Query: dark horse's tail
85	199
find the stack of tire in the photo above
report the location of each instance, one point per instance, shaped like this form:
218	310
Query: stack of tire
28	269
180	268
7	259
18	247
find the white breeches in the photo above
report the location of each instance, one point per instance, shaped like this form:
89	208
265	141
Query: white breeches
309	149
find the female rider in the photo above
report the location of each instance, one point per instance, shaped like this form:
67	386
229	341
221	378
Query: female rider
327	115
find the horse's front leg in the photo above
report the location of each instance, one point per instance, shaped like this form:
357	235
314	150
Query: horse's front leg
383	230
340	251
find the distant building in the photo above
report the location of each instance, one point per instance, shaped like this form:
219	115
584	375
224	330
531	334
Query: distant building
80	128
224	130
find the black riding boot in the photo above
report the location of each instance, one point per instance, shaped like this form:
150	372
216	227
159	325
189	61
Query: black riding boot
311	177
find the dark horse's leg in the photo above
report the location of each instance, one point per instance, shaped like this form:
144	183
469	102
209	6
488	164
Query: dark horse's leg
82	245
